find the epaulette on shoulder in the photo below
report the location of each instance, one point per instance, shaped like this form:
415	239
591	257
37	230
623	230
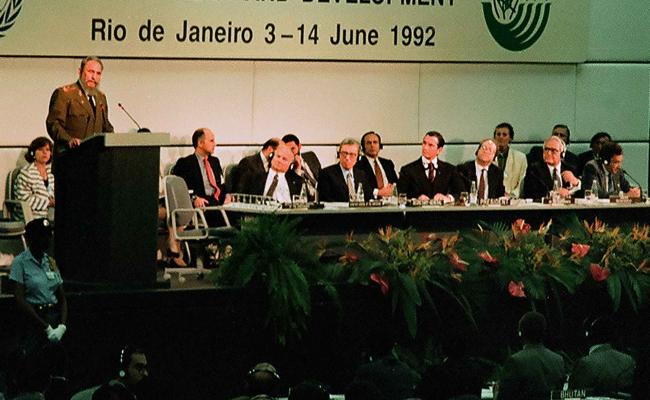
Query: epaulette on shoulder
69	88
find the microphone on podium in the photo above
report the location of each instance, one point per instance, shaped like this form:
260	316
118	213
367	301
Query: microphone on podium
140	129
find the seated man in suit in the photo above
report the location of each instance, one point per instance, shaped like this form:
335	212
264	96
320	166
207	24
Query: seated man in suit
596	144
279	182
607	171
604	370
305	165
428	177
202	171
570	159
256	163
533	372
488	177
542	176
340	181
512	162
380	171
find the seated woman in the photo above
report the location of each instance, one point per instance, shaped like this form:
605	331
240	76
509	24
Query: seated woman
35	182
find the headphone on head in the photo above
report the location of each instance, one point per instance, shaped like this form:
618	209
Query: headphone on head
363	140
125	359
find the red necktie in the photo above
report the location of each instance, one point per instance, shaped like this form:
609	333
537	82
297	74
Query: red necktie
211	179
432	172
481	185
379	176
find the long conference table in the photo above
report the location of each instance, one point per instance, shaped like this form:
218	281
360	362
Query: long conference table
340	218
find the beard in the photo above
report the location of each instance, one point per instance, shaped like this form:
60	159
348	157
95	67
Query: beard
89	91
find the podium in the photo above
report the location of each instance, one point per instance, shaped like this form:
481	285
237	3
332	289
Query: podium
106	209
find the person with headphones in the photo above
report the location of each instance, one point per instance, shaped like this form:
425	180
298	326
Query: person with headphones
543	176
570	159
305	164
604	370
340	181
596	143
488	177
512	162
35	181
381	171
132	372
261	383
608	173
533	372
254	164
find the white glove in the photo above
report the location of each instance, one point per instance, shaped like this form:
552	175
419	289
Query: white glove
59	331
51	336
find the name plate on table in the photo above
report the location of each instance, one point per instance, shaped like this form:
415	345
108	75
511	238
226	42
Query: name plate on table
365	204
624	200
296	205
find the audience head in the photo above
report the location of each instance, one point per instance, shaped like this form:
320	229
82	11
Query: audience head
562	131
504	133
293	142
38	234
553	150
90	73
601	330
371	144
269	146
27	371
348	153
598	140
363	390
611	155
486	151
203	141
532	327
308	390
262	379
432	145
282	158
133	367
39	150
113	391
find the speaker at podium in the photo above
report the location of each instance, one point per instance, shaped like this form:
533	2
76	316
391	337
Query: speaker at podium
106	209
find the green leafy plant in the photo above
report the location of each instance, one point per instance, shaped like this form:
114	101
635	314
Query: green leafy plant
406	268
268	252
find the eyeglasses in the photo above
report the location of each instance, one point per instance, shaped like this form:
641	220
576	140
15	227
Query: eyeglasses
552	150
345	154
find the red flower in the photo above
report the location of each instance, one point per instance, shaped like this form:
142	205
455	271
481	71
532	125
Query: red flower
520	227
599	273
579	250
383	283
516	289
455	260
348	258
488	259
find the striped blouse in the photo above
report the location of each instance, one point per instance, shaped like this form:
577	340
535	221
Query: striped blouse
30	187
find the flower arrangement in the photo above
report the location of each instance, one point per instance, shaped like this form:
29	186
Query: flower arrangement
405	267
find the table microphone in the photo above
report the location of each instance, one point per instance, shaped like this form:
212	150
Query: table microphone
140	129
635	181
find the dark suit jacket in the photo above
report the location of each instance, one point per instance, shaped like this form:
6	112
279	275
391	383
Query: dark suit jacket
414	182
538	181
314	164
583	159
531	374
387	165
248	165
536	154
188	168
71	116
253	182
604	370
467	172
595	170
332	186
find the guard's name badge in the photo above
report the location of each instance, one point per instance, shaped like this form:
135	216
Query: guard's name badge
50	275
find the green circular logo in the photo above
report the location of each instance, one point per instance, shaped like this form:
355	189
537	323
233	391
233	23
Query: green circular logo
516	24
8	15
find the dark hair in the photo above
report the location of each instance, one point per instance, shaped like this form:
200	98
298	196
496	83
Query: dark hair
609	150
196	136
601	330
273	142
91	58
437	135
363	140
532	326
290	137
309	390
36	144
600	135
511	130
363	390
568	131
112	391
